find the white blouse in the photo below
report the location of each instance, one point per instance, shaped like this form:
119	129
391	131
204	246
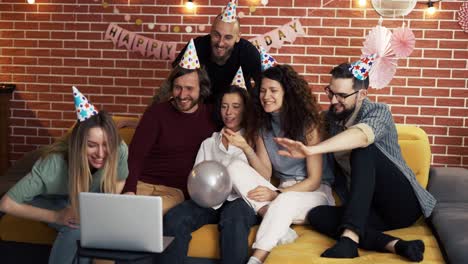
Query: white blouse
213	149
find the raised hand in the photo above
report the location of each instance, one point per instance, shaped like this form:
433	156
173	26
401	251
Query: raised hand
293	149
235	139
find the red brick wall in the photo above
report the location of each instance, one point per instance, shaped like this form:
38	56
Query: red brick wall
54	44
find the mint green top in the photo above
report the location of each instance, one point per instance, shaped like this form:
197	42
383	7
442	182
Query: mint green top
49	176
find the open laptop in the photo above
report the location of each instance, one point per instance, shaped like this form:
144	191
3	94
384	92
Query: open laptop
122	222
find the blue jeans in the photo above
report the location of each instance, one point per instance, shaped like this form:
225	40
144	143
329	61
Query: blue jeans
234	221
64	247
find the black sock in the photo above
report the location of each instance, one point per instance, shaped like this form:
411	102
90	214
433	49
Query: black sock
345	247
412	250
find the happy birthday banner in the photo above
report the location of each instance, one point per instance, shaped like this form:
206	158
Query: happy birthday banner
167	50
146	46
276	37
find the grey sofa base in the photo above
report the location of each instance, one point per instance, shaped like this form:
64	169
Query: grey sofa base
450	217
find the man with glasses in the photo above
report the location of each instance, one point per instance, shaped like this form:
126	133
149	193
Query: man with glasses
340	99
378	190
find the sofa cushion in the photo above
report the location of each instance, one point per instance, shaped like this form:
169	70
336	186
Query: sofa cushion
416	151
126	126
310	244
306	249
449	184
18	229
204	243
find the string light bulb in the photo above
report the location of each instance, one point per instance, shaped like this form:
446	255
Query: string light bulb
430	8
362	2
189	5
31	2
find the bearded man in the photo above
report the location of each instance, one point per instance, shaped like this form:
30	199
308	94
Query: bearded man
168	137
222	52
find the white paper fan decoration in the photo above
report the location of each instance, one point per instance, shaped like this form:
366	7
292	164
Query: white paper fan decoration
384	68
403	41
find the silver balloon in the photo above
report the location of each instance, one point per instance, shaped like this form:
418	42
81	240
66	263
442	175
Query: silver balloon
209	183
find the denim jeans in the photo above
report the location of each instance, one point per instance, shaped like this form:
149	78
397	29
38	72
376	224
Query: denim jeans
380	199
64	247
234	219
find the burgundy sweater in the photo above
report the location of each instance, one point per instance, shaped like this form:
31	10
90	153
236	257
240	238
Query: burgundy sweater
165	145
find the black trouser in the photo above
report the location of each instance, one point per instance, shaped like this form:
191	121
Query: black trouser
380	199
234	221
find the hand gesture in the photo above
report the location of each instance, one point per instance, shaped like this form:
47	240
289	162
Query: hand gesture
262	194
293	149
67	217
235	139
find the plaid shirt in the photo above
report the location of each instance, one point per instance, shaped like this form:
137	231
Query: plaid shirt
383	134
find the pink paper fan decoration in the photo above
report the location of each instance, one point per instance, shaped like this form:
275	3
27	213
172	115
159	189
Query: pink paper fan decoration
384	68
463	17
403	42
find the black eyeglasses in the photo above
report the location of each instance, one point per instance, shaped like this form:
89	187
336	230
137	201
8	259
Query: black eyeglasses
339	96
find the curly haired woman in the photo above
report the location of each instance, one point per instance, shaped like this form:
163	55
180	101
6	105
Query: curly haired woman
286	108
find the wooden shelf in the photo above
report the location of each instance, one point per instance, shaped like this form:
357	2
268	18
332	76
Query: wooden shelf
5	94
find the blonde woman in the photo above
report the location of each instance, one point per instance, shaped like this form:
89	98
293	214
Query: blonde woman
93	158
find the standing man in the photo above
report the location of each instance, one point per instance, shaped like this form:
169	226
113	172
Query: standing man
378	189
223	51
169	134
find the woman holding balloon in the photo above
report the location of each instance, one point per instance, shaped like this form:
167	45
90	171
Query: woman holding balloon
286	108
233	216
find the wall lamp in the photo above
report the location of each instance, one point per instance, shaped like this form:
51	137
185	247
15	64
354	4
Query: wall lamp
189	4
430	6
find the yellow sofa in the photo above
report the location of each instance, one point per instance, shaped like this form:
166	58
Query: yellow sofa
306	249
